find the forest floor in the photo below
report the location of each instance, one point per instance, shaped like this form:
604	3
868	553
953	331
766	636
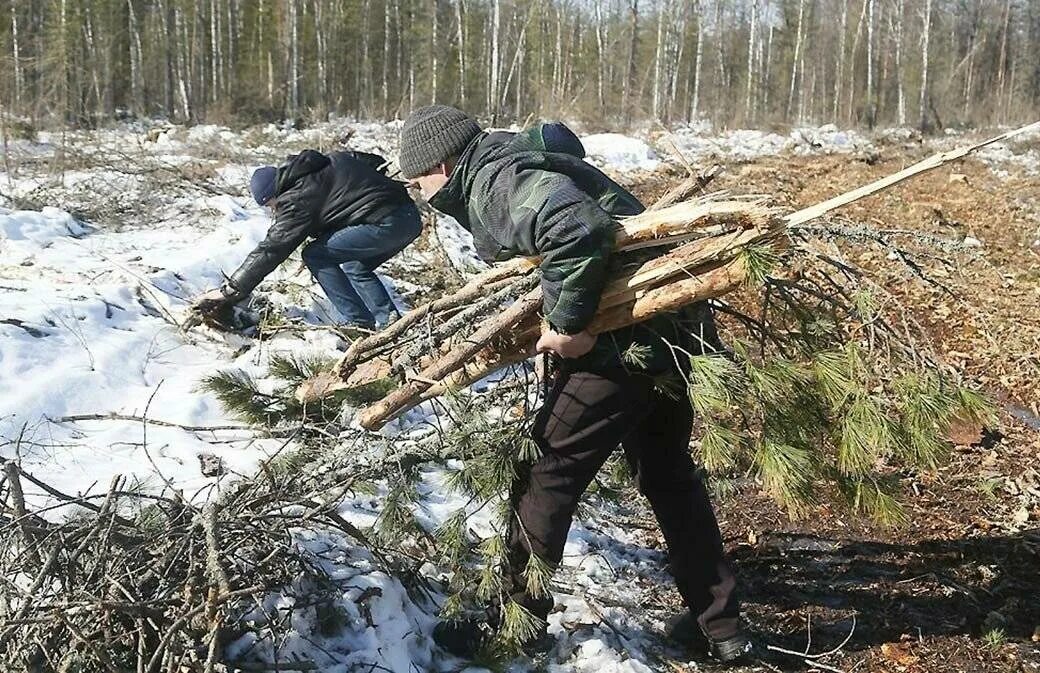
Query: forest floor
90	325
954	590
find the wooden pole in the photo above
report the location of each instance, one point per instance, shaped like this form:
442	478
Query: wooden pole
932	162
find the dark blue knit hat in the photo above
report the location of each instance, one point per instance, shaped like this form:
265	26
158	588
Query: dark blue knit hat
263	183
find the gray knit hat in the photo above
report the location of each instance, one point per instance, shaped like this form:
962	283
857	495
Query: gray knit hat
433	134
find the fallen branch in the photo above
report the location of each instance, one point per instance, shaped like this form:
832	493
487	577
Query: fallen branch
114	416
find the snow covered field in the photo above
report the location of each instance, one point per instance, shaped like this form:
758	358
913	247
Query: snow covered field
98	377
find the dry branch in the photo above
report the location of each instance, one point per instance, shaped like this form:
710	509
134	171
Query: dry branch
160	582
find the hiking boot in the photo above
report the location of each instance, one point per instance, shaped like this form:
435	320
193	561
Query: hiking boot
393	317
463	638
466	638
686	632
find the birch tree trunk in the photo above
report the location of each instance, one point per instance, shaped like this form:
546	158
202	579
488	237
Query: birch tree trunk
721	83
839	73
673	85
294	58
461	28
969	77
749	112
852	60
768	74
321	57
698	59
797	57
869	108
134	53
900	92
630	69
1002	61
658	57
434	49
922	117
492	95
601	56
214	70
16	57
182	84
386	59
364	85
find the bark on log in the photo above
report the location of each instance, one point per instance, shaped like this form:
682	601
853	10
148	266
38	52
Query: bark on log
495	277
376	415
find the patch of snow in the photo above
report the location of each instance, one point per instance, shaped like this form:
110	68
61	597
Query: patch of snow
458	245
827	139
39	227
620	152
999	156
91	328
748	144
228	206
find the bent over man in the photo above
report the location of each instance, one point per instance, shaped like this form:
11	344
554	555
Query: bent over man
531	194
359	218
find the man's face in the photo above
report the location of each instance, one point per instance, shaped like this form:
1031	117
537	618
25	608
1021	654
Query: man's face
432	182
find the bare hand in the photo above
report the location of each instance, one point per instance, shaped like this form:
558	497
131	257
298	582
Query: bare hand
566	345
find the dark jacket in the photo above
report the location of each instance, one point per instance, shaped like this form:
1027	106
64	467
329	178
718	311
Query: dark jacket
530	194
318	193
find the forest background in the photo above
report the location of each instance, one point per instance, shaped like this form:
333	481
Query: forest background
608	63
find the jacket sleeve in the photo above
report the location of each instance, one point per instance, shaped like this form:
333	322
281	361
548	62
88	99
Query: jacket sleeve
537	212
292	224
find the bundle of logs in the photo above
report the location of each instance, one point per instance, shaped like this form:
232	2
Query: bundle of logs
680	251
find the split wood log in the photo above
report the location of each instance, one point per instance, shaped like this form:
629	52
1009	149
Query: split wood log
405	396
693	185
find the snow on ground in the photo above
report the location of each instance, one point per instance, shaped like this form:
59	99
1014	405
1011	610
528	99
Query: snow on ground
696	142
458	245
619	152
89	326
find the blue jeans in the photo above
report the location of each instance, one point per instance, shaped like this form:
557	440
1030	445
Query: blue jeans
344	263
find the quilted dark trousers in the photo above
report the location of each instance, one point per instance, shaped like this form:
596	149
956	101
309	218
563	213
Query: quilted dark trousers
585	417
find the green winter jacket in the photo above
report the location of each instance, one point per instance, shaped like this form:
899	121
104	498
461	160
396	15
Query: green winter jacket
518	196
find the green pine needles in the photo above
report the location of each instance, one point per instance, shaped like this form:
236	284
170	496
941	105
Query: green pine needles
825	394
241	395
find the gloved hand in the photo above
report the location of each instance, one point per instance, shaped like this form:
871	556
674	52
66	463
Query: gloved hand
210	302
215	308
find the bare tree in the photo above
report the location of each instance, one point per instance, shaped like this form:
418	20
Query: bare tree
923	119
698	59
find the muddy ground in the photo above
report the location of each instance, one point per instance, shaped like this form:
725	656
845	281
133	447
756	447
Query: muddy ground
958	588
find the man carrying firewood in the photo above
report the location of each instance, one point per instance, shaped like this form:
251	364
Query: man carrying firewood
358	218
532	194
